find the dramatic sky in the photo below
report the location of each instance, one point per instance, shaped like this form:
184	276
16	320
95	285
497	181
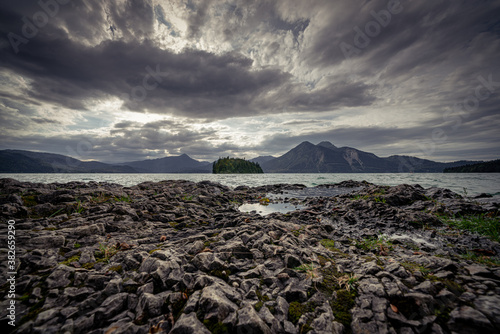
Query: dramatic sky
123	80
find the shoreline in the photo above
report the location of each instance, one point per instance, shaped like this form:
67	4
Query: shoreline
474	184
179	256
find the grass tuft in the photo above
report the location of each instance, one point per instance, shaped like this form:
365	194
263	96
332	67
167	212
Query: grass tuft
482	224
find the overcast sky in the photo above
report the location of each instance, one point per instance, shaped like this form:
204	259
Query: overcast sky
124	80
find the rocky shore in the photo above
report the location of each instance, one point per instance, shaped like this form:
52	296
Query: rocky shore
179	257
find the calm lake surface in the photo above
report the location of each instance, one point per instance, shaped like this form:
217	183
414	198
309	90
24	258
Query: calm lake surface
473	183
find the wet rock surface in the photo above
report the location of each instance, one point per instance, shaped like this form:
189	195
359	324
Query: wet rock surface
179	257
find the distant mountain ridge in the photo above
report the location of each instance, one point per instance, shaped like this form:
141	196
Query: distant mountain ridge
304	158
19	161
175	164
327	158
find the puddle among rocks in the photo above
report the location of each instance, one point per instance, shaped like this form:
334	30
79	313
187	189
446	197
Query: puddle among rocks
270	208
280	201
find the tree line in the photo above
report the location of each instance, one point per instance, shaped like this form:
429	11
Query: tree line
235	165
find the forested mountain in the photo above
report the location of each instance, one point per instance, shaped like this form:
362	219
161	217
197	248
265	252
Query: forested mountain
483	167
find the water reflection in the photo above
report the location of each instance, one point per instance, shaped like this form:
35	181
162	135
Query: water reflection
270	208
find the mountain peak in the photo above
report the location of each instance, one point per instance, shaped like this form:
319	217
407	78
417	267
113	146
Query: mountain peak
327	144
305	143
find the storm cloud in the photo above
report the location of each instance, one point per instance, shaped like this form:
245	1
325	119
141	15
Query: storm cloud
209	78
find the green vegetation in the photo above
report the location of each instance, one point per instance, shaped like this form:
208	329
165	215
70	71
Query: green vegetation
123	199
223	274
235	166
187	197
79	208
348	282
100	198
341	307
483	167
480	224
117	268
335	283
29	200
328	244
357	197
264	201
311	270
55	213
381	244
106	252
298	232
486	260
452	286
296	310
74	258
215	327
413	267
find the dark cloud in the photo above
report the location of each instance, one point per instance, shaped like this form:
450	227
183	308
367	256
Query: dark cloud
251	59
193	83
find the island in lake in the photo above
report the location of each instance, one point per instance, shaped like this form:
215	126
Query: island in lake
236	166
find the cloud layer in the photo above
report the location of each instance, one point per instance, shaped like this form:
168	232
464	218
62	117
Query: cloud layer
111	80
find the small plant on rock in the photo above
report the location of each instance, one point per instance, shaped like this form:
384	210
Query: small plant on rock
311	270
348	282
79	208
107	251
123	199
264	201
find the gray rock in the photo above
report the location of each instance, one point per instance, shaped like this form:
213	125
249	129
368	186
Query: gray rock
465	319
113	287
477	270
78	294
167	274
192	302
189	324
370	268
46	316
325	322
292	261
69	312
214	303
371	286
47	241
489	306
250	322
207	262
295	291
151	304
83	324
110	307
60	277
281	309
87	256
196	247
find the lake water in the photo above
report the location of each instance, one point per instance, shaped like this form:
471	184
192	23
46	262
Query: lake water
474	183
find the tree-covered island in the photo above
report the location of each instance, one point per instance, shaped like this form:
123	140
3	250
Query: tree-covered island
235	166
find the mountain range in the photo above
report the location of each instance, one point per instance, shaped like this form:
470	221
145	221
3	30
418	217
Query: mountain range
304	158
